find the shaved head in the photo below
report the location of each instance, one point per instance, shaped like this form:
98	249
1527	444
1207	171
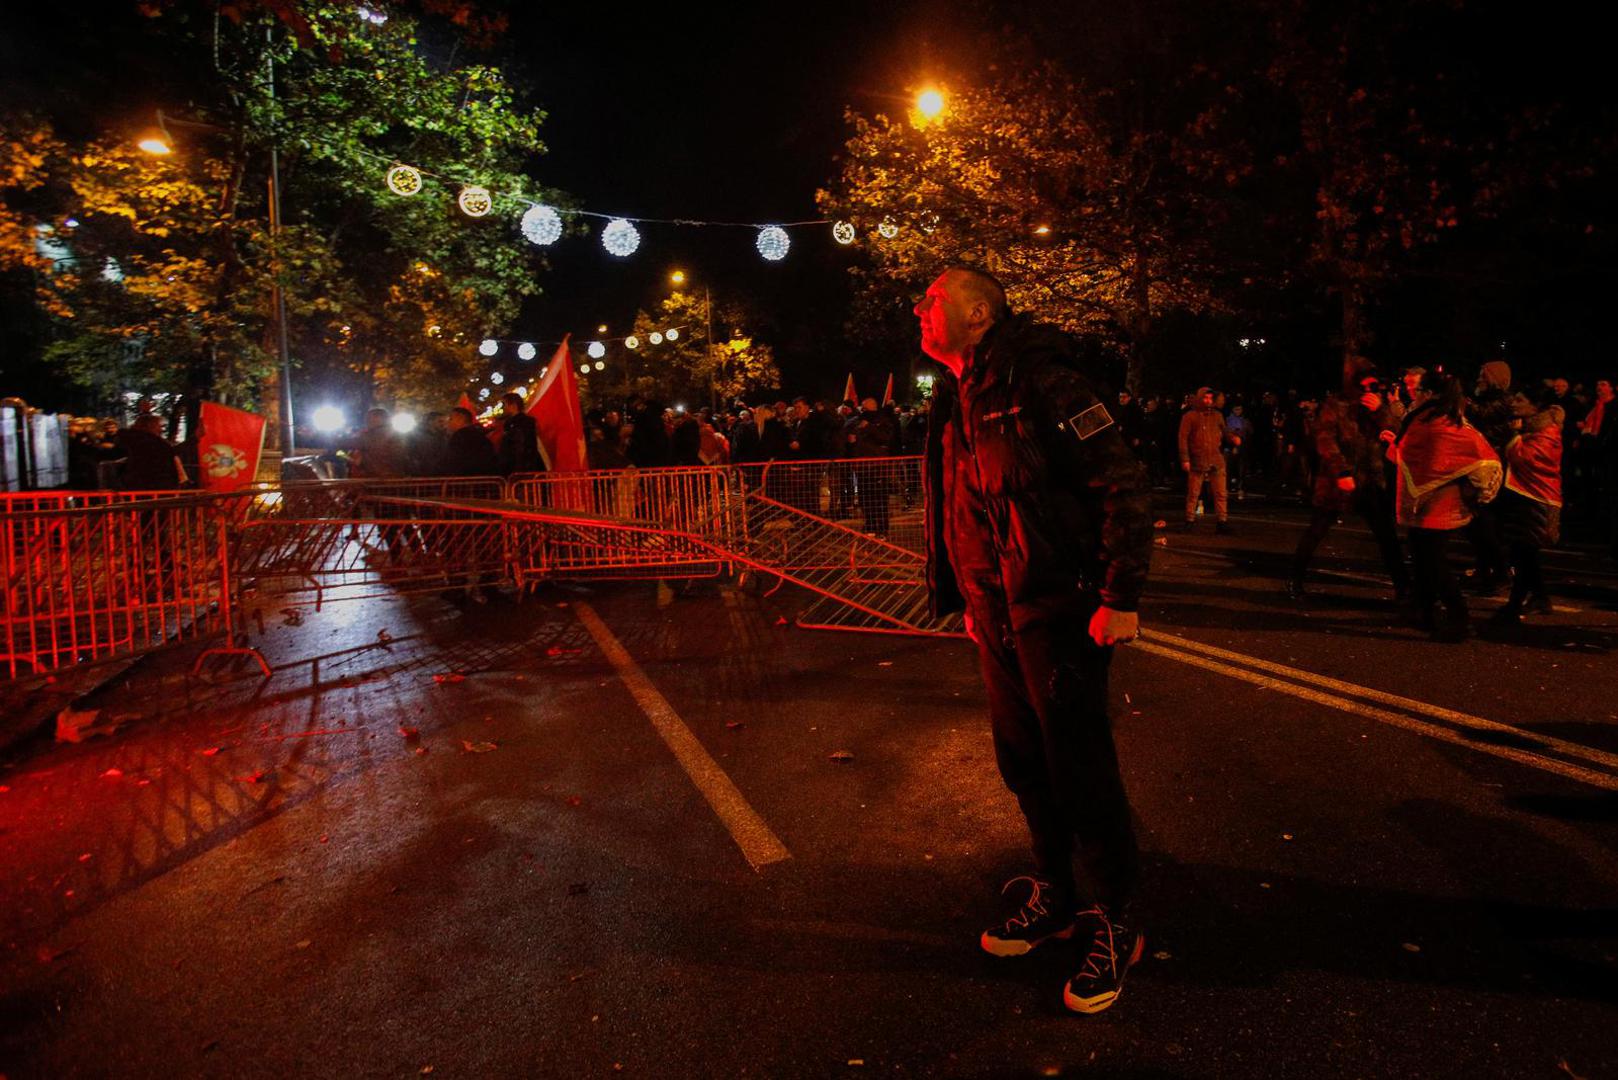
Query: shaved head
980	286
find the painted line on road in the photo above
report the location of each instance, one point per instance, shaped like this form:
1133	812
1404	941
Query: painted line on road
1556	766
760	846
1382	697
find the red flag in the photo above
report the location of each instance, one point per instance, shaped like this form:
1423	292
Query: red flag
229	447
849	393
554	405
466	403
887	395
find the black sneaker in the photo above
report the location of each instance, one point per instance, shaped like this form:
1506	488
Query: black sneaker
1113	951
1042	917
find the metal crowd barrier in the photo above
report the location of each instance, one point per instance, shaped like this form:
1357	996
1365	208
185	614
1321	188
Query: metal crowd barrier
121	578
89	575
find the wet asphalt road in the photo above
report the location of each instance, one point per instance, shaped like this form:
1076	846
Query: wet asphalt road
356	869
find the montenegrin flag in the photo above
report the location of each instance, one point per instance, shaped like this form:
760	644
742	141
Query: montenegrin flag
229	446
554	405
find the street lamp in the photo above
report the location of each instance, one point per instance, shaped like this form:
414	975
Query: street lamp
930	103
158	143
678	278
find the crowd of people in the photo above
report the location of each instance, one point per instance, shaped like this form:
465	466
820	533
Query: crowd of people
1491	460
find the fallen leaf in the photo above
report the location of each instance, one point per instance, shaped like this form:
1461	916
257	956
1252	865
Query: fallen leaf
425	1069
383	636
86	857
1161	541
781	620
324	838
856	1062
451	677
304	944
884	663
112	774
1160	524
478	747
841	756
211	751
1286	836
735	725
574	800
256	777
1411	946
421	749
1162	954
409	733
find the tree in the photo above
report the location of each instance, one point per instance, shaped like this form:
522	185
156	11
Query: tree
1094	224
173	254
737	364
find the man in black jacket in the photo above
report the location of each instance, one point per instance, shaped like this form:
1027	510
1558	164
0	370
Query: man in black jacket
467	451
519	438
1045	518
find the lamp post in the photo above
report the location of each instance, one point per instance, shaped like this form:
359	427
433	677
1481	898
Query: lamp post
677	279
159	144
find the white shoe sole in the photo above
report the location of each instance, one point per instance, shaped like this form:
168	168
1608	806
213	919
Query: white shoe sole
1101	1002
1007	947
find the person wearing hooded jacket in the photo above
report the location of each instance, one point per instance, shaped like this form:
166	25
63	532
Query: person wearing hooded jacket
1203	437
1039	525
1446	469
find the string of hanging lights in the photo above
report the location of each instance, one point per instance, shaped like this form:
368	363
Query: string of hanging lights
542	224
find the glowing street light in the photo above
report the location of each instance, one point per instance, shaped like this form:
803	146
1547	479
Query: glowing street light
155	143
329	418
677	278
930	103
1042	230
404	423
602	329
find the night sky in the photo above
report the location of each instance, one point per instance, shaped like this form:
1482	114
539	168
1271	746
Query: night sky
690	112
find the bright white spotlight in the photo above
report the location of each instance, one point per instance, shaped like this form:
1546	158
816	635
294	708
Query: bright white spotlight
497	378
526	350
329	418
404	423
596	350
489	347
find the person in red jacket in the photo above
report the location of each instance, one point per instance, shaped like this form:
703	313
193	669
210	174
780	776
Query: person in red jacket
1530	507
1446	469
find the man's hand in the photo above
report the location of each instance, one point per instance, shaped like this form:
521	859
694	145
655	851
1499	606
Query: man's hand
1388	437
1345	483
1373	402
1109	627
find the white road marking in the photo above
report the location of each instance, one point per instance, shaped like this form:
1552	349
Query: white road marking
1609	781
760	846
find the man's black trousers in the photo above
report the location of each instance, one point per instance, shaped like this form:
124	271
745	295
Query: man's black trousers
1047	689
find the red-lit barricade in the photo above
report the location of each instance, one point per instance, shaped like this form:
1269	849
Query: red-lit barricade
315	542
851	530
128	575
677	504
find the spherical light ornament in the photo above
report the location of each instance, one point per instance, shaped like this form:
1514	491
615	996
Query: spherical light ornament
483	395
489	347
584	369
656	338
475	200
888	229
404	423
631	342
541	225
526	350
522	392
673	334
497	378
843	232
601	365
404	180
543	370
596	350
929	222
773	242
620	237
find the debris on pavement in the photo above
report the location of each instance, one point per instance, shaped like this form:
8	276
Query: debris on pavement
841	756
1162	954
255	777
210	751
449	677
478	747
76	725
111	774
1411	946
383	637
409	734
735	725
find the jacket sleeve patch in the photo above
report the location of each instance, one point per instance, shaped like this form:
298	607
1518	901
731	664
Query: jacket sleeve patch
1091	421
